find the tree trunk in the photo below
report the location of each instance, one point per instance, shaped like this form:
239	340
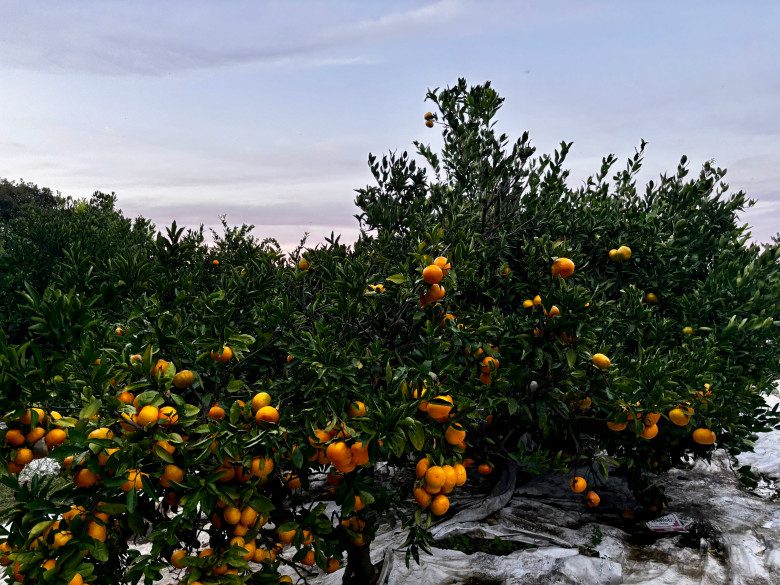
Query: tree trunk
359	570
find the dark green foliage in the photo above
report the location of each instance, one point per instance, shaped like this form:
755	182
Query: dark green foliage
74	272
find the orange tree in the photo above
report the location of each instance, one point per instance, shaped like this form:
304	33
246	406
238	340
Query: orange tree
230	412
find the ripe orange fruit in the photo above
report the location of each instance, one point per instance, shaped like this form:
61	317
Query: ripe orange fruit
613	255
528	303
432	274
435	292
601	361
248	516
134	479
215	262
216	412
651	418
97	531
232	515
440	411
704	436
35	435
537	301
450	479
267	414
166	446
592	499
223	356
49	564
84	478
359	504
262	466
61	538
422	497
485	469
339	453
303	264
125	397
55	437
23	456
356	409
101	433
578	484
14	438
287	536
460	474
159	368
422	467
624	253
260	400
250	548
76	580
651	298
168	416
649	431
148	416
439	505
293	481
486	379
184	379
553	312
27	417
13	468
359	453
171	473
617	426
586	403
488	364
435	477
332	565
429	124
454	434
562	267
679	417
442	263
226	473
177	557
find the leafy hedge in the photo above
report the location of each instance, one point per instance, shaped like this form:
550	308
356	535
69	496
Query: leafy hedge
688	323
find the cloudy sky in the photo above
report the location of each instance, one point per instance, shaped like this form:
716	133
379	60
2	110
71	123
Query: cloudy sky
266	111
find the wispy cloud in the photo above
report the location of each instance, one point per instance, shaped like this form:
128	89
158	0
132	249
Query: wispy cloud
110	38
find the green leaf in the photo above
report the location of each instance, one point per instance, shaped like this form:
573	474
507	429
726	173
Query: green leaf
397	278
416	434
38	529
90	409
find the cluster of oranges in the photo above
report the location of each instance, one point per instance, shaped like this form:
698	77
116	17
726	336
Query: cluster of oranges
578	485
55	534
679	416
435	482
620	254
432	276
241	523
343	453
32	436
429	119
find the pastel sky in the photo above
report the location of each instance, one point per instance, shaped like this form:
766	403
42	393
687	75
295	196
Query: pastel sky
266	111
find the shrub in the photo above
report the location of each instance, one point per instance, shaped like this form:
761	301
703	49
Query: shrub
225	393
